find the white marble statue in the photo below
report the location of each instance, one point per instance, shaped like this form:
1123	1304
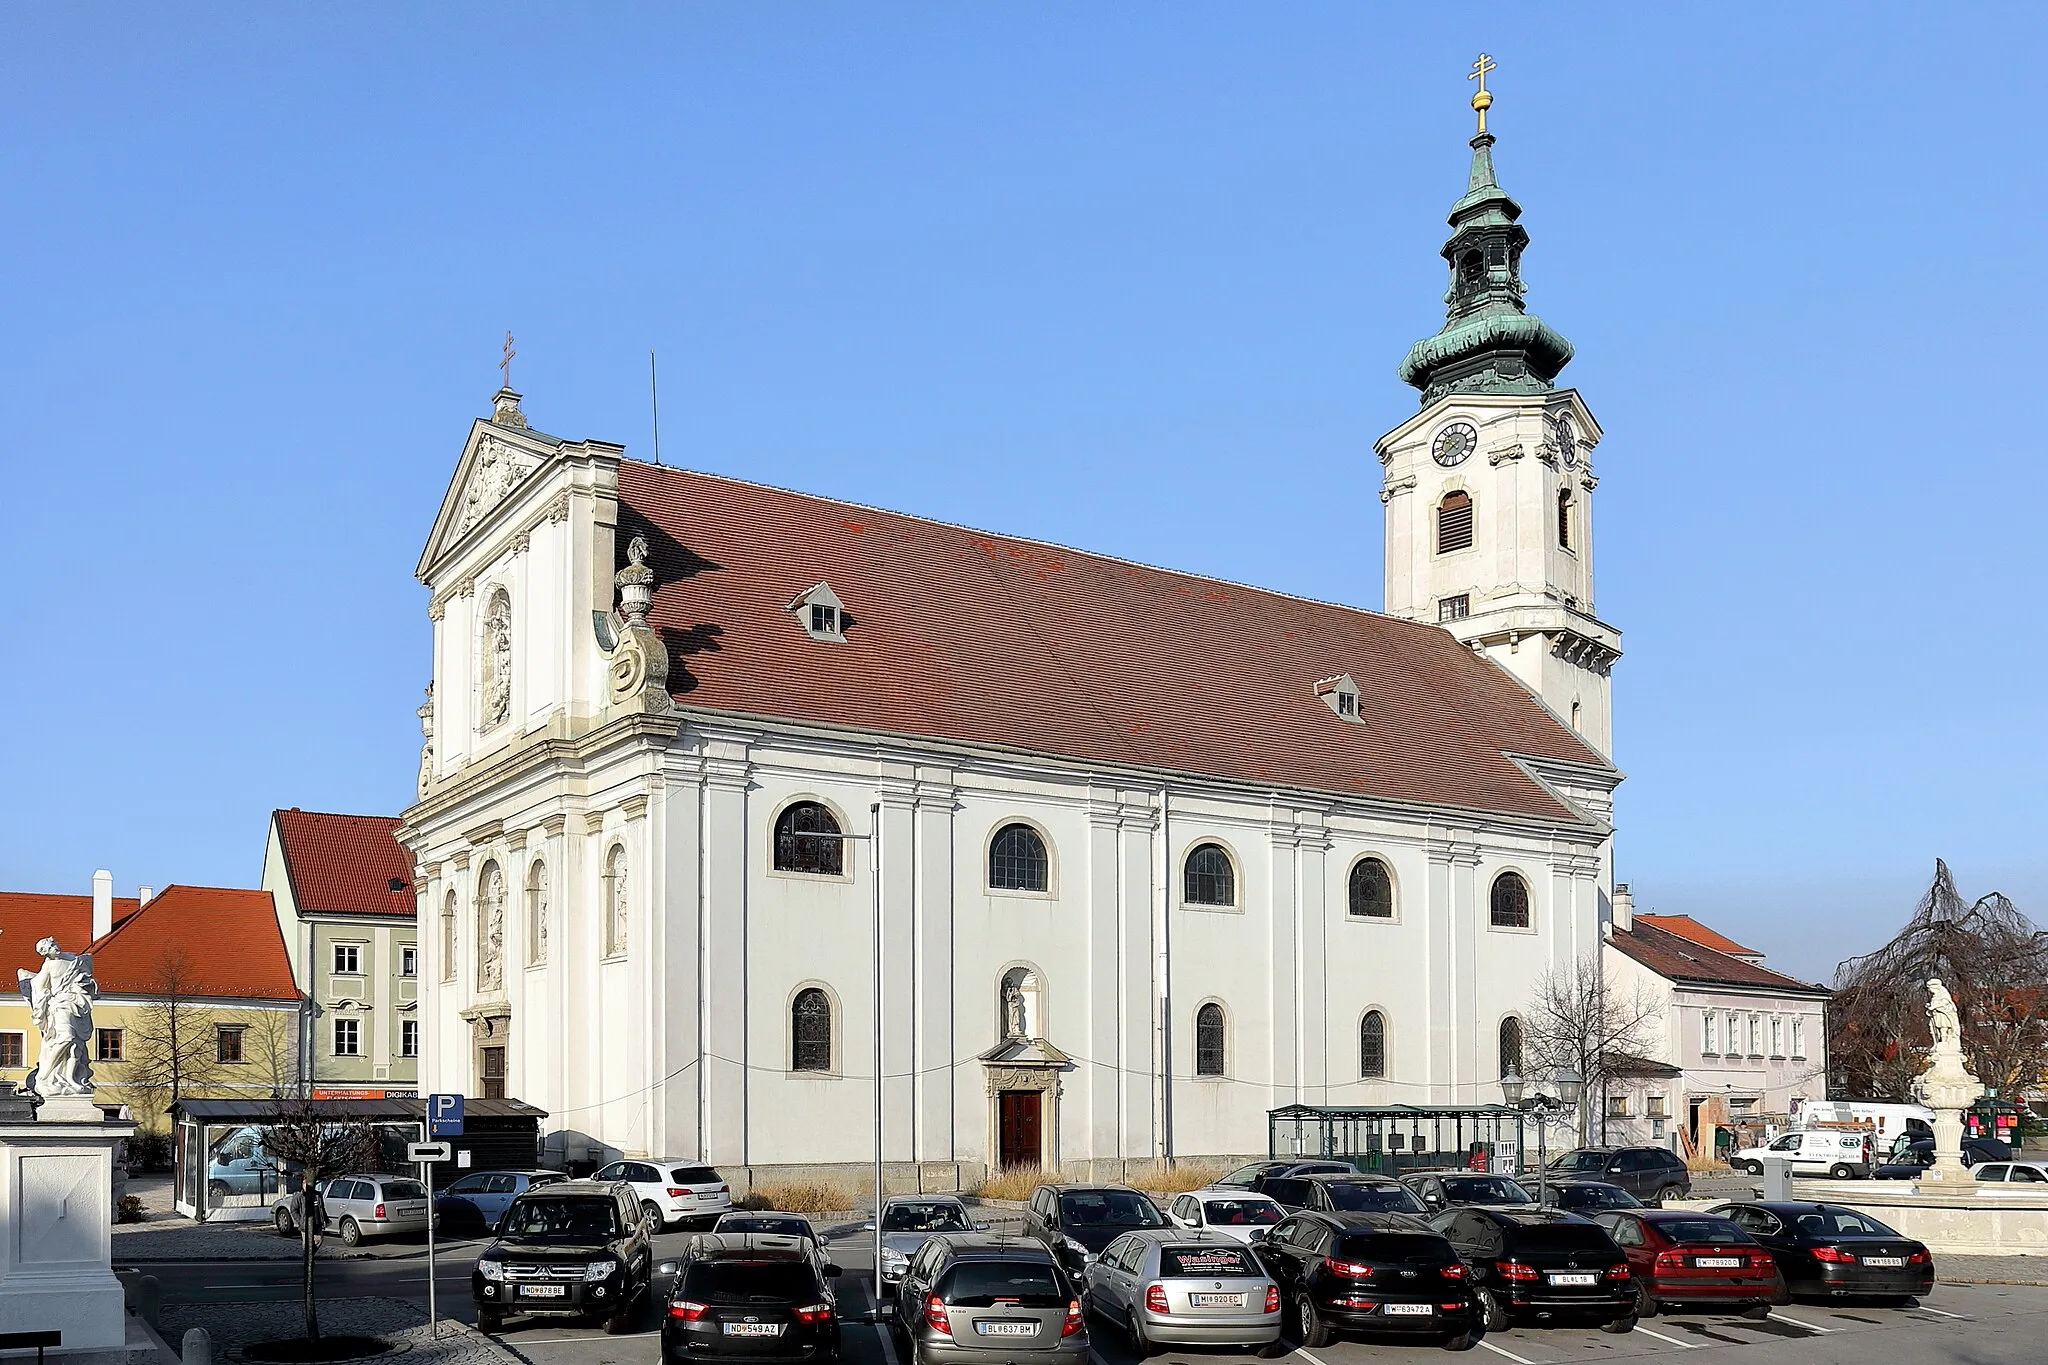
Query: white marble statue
1013	1010
60	997
1942	1021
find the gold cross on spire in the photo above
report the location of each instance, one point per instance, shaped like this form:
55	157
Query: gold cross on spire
506	364
1482	99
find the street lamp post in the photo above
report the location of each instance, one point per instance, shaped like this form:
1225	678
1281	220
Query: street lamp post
1569	1088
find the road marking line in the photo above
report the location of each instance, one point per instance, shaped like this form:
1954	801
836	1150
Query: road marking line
888	1344
1809	1326
1923	1308
1681	1345
1499	1352
1312	1360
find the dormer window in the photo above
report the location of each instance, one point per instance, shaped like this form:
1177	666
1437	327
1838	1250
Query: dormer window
1340	694
821	614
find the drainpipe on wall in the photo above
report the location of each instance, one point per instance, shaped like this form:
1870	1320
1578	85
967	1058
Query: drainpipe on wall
1162	986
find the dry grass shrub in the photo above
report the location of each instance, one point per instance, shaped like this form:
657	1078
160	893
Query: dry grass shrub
1016	1183
1175	1179
799	1196
1019	1181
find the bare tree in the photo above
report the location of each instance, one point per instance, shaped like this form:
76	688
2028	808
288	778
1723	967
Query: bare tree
269	1043
1582	1021
318	1146
171	1043
1993	961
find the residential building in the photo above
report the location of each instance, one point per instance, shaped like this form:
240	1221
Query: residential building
196	995
343	889
1145	853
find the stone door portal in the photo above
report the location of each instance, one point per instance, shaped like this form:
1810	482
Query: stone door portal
1018	1141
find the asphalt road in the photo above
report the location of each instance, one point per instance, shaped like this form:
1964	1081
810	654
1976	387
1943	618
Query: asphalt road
1959	1324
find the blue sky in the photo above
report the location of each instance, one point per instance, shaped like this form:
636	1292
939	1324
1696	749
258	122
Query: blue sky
1131	277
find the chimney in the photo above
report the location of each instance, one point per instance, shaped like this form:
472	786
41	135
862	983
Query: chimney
143	896
102	904
1624	908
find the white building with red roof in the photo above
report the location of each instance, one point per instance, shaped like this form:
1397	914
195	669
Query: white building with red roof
1157	853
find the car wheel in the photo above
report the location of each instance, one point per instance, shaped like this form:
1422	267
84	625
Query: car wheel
1757	1312
1841	1170
1314	1333
1668	1192
1493	1310
620	1321
1753	1167
1621	1326
351	1233
490	1320
1464	1341
283	1219
1646	1304
216	1190
651	1211
1134	1333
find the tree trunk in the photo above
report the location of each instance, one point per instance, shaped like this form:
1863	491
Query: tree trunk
308	1211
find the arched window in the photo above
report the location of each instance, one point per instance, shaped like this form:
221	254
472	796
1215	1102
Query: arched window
807	840
1209	1040
1564	518
448	938
537	913
1017	860
1510	901
1372	889
1372	1045
490	928
615	902
1511	1046
1210	878
810	1031
1454	522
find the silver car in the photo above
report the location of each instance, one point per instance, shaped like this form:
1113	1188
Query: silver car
1176	1287
359	1206
908	1223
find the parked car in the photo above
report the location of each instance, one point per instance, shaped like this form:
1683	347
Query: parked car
358	1206
1229	1212
767	1223
1254	1176
2012	1173
1586	1196
1979	1153
1175	1287
1440	1190
238	1165
750	1296
1345	1194
1844	1154
1825	1249
1693	1259
1541	1263
672	1189
1974	1149
1076	1222
1651	1174
971	1297
908	1223
1369	1272
567	1249
476	1202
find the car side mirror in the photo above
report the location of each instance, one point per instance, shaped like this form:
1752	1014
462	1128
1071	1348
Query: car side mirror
867	1227
981	1227
832	1272
669	1268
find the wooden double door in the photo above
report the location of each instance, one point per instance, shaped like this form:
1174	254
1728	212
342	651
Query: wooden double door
1018	1116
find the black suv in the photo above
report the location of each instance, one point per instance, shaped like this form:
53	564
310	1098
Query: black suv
1541	1263
571	1249
1078	1221
1255	1176
1440	1190
1344	1194
753	1296
1368	1272
1651	1174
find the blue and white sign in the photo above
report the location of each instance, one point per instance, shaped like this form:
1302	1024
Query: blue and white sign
444	1116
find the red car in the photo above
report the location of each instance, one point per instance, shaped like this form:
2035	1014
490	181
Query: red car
1695	1260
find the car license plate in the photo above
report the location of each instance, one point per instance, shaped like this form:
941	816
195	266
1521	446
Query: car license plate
1718	1262
753	1329
1216	1300
407	1210
1007	1329
542	1291
1884	1260
1410	1310
1557	1277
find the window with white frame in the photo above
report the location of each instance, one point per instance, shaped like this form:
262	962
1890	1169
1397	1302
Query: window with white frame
1617	1106
1656	1107
1756	1035
1710	1044
1734	1034
348	959
1777	1036
1799	1038
409	1038
348	1037
408	960
13	1049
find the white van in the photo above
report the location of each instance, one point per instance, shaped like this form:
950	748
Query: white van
1836	1152
1886	1118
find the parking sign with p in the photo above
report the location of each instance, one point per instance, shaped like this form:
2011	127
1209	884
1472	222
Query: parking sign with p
444	1116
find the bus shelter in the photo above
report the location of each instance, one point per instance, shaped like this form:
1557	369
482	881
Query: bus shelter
1401	1137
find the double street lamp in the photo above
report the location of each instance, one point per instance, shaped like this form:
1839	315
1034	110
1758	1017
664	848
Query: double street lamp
1570	1088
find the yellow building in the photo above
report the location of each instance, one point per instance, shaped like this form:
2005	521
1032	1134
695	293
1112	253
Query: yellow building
196	993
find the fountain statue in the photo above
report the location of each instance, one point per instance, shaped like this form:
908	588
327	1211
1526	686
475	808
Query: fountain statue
1947	1086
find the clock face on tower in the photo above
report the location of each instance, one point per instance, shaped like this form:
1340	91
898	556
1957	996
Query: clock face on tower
1454	443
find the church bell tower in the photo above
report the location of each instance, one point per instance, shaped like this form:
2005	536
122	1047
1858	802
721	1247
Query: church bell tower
1489	488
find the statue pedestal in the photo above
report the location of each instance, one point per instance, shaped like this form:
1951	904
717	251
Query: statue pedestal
56	1230
1946	1087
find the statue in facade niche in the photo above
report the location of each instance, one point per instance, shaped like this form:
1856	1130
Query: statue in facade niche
490	938
60	996
1013	1010
426	715
496	693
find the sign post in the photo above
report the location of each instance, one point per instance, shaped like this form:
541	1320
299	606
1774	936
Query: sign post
444	1120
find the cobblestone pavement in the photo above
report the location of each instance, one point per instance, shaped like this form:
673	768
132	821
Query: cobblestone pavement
234	1325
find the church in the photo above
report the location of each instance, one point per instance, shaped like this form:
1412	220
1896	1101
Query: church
1128	856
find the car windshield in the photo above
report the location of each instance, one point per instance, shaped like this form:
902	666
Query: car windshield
1487	1189
1359	1197
1580	1161
1596	1197
1191	1262
1246	1175
984	1284
404	1189
1572	1236
1688	1230
1241	1213
1411	1248
924	1218
595	1219
1108	1209
1832	1222
787	1227
749	1282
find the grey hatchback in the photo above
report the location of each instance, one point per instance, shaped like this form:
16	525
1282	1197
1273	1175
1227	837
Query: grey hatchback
1175	1287
359	1206
977	1299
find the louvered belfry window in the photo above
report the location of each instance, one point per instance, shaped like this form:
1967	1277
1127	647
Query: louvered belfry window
1564	519
1454	523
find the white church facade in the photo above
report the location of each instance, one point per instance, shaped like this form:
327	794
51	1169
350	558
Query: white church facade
1156	853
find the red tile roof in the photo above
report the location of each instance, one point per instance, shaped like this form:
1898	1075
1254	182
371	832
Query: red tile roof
1681	959
228	941
26	917
962	635
344	864
1686	927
